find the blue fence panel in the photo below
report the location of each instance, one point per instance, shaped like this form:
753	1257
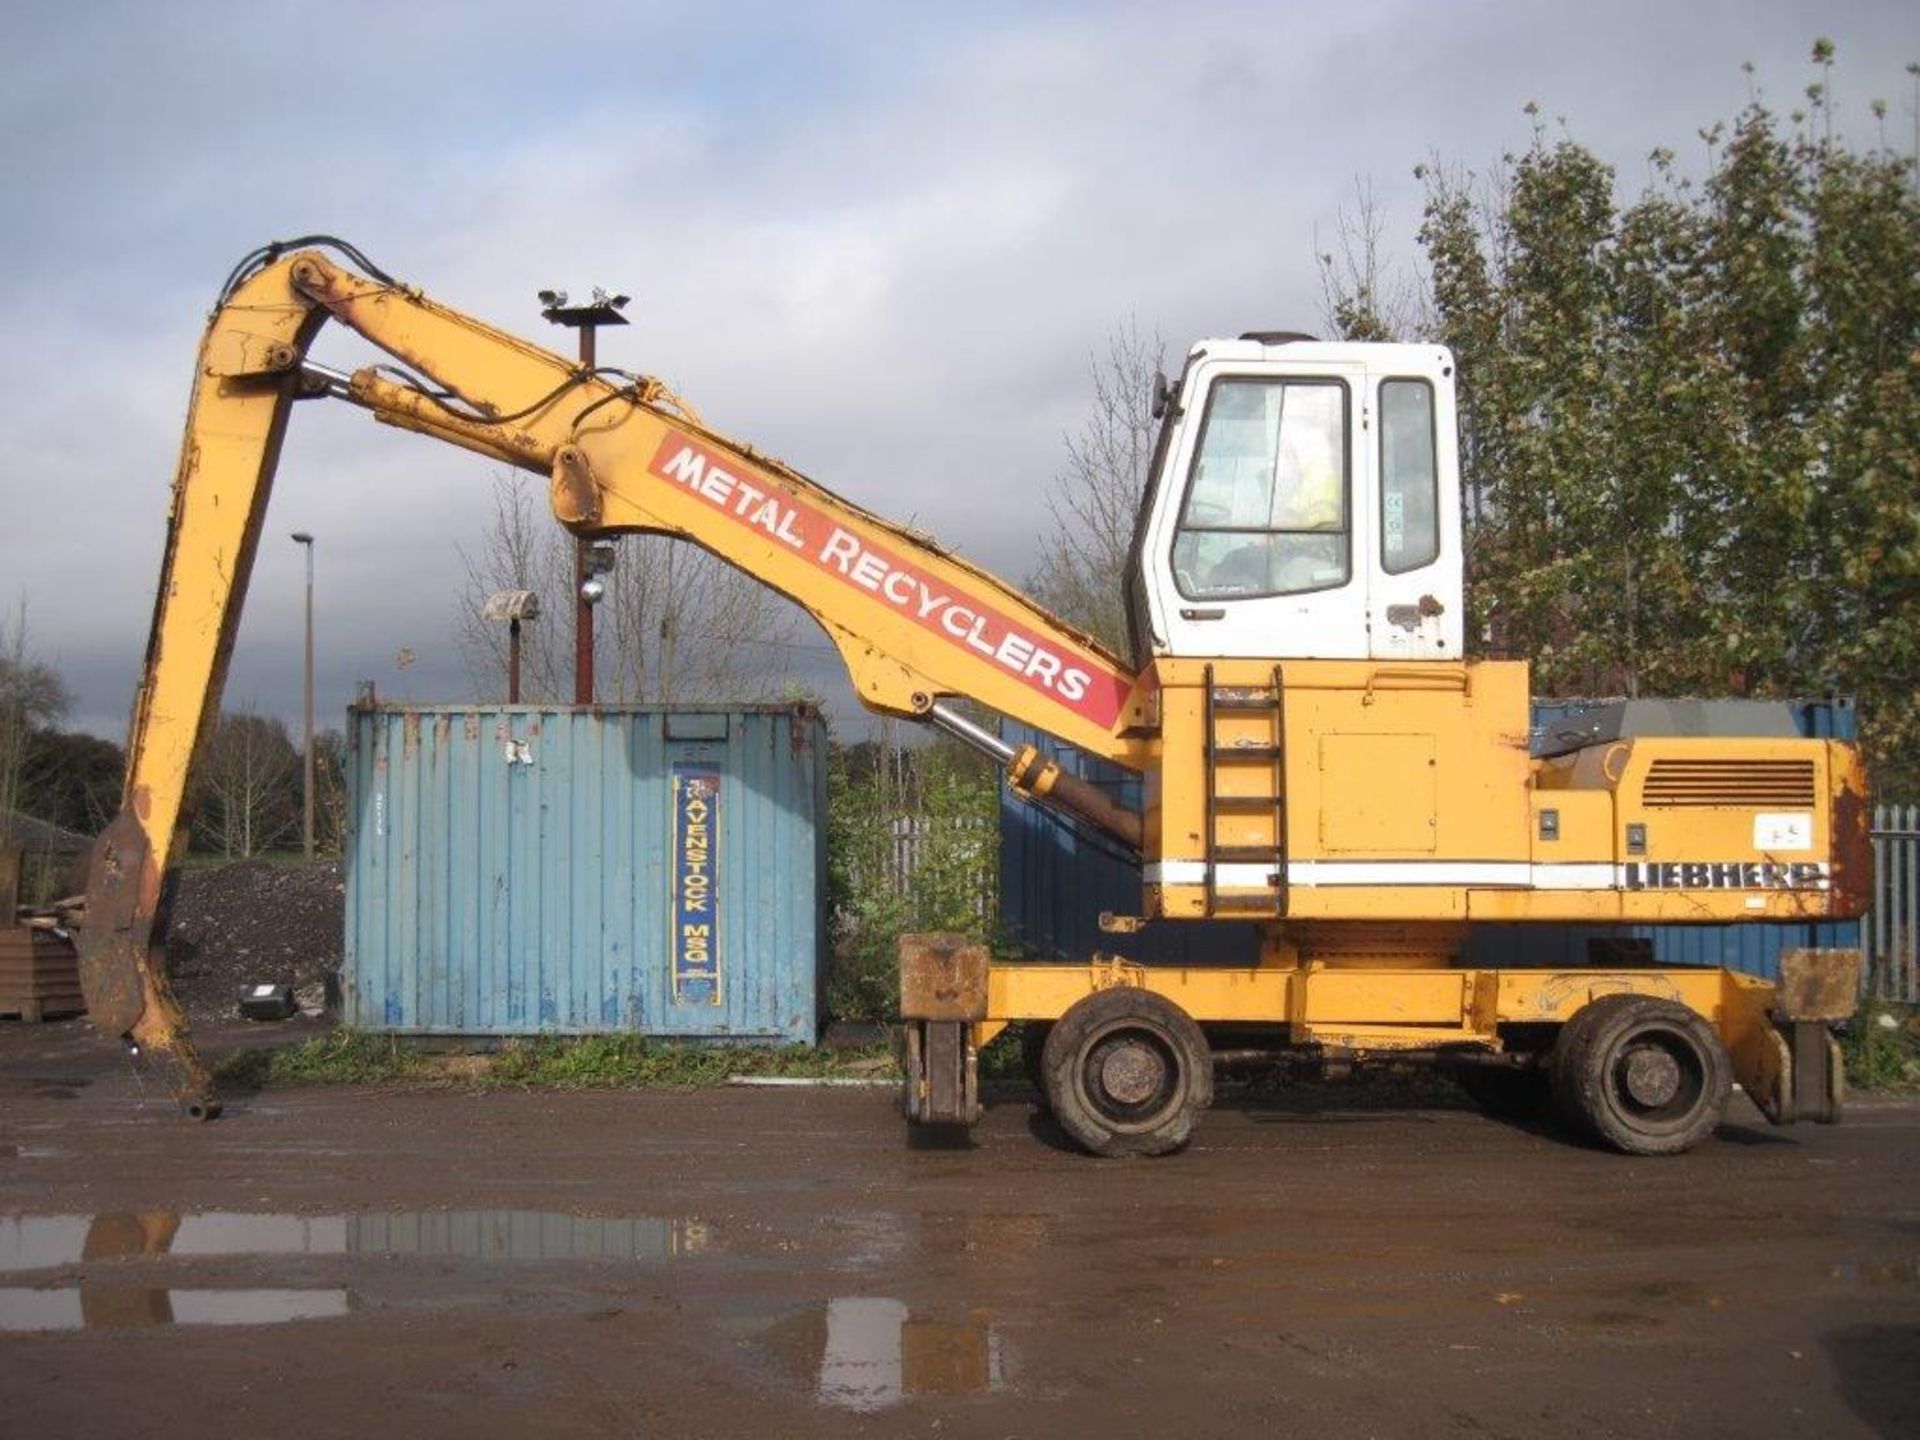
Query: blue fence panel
526	869
1054	884
1056	878
1893	927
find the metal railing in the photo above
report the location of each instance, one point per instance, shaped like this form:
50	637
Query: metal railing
1890	932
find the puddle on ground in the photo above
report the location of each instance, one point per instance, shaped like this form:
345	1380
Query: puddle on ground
39	1242
867	1354
127	1307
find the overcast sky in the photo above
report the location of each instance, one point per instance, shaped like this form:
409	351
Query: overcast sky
878	240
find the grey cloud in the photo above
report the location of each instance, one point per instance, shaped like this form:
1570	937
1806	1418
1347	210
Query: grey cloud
878	241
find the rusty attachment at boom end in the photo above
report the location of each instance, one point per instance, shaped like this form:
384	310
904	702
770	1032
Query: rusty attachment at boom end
123	974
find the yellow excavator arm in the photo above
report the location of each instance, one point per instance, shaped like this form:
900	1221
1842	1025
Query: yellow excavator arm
915	624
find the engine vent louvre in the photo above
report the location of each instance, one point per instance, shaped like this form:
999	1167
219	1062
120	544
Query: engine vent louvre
1735	784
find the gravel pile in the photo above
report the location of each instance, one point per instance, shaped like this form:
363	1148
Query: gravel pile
254	922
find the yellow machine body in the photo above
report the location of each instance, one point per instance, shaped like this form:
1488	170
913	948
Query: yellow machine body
1363	791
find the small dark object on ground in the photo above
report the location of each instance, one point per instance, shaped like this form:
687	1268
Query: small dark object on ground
268	1002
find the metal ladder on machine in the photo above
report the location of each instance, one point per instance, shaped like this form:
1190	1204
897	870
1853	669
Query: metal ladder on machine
1266	797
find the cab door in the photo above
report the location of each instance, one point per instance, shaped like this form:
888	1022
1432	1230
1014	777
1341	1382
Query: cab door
1260	540
1414	571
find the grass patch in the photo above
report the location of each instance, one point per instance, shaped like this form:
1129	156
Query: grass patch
1002	1061
1879	1057
344	1057
634	1062
553	1062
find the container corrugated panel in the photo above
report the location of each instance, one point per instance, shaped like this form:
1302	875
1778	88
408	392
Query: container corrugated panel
516	870
1054	885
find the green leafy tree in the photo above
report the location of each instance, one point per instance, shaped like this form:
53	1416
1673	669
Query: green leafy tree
1690	423
912	845
72	780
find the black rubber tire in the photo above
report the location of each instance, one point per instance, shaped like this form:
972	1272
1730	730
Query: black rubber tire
1591	1087
1119	1037
1033	1047
1510	1094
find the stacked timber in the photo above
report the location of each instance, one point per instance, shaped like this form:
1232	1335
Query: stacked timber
39	968
39	973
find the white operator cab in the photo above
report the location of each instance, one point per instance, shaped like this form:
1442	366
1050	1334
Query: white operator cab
1303	503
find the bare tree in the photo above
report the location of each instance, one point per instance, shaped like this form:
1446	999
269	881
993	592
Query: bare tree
247	790
676	624
330	791
521	549
1363	296
1095	500
32	697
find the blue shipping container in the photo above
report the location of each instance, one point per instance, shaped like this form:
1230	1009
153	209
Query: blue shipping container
1055	881
515	870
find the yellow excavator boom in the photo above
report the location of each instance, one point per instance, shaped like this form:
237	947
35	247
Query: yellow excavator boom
913	622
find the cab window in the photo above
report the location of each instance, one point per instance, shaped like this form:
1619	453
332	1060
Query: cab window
1409	478
1266	509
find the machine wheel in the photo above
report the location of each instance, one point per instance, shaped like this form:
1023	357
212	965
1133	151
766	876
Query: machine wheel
1510	1094
1645	1076
1127	1073
1033	1047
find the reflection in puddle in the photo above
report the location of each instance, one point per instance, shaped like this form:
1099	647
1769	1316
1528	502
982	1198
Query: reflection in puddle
524	1235
125	1307
873	1353
37	1242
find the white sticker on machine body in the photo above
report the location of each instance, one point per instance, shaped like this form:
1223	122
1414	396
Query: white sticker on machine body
1790	831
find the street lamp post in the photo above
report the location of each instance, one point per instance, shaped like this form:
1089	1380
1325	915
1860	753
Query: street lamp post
305	542
603	310
513	661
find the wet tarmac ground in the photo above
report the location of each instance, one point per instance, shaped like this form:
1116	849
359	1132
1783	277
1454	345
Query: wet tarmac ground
773	1263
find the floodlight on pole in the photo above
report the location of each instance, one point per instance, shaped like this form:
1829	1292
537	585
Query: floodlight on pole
603	309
